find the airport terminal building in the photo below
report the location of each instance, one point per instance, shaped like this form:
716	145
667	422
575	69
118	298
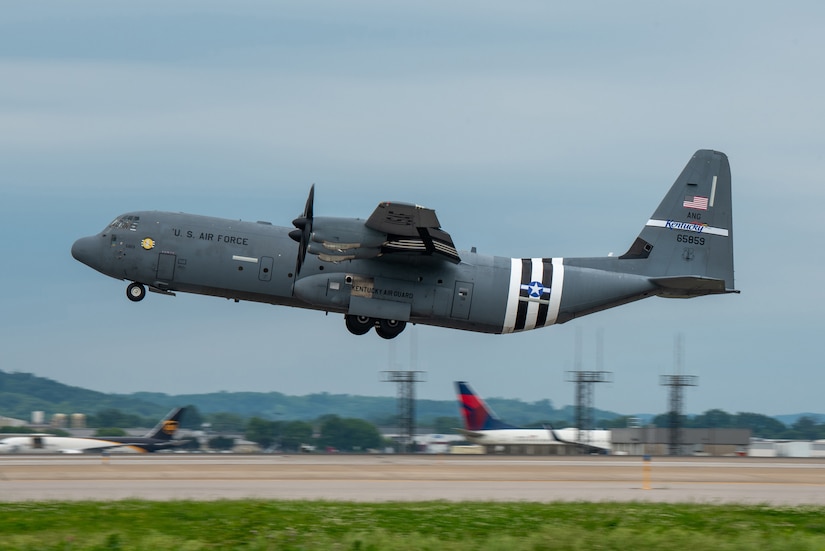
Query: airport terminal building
658	441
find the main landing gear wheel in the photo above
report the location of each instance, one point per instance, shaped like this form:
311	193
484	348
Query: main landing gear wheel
359	325
389	329
135	292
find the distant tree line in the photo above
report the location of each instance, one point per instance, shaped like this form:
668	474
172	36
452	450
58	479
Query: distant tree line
231	412
354	434
28	430
761	426
333	433
328	432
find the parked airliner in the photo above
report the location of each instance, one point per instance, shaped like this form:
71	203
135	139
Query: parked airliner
158	438
481	426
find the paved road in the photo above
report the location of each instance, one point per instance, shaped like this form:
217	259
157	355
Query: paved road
407	478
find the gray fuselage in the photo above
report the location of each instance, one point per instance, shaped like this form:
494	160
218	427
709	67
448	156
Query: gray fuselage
255	261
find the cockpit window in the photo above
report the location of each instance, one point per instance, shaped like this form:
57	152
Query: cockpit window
125	223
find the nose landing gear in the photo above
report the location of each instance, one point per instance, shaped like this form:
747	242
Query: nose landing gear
136	292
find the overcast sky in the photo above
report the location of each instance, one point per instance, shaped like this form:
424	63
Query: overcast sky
520	123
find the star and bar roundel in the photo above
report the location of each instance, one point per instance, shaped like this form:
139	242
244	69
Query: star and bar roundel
535	293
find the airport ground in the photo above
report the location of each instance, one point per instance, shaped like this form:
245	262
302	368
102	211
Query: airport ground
380	478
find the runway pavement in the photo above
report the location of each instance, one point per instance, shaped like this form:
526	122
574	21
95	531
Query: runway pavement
412	478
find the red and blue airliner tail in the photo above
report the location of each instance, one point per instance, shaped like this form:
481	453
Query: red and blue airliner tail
475	413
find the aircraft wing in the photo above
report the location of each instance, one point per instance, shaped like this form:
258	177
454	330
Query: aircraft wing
411	229
470	433
587	448
96	446
138	444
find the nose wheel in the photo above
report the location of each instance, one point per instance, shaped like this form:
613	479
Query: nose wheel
135	292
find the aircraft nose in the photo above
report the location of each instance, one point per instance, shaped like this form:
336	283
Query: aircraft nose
83	249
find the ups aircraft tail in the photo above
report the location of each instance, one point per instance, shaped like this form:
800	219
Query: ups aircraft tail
475	413
167	426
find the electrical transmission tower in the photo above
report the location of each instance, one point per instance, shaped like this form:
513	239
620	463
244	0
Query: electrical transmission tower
406	404
584	381
677	383
584	398
406	380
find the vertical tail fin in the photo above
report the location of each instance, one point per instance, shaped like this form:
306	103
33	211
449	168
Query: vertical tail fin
688	242
474	412
167	427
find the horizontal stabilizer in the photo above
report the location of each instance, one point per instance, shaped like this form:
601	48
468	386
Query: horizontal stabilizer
690	286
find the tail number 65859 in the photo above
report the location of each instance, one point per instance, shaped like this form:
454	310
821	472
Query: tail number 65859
692	239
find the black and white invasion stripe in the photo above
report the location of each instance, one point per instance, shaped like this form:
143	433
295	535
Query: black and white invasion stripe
534	294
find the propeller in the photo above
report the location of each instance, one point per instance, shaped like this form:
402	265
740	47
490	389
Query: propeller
304	229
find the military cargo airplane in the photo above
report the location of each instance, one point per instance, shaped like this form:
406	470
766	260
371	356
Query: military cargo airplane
398	266
158	438
481	426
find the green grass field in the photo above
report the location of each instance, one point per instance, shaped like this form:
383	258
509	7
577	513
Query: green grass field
310	525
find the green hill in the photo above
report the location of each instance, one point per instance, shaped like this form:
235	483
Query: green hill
23	393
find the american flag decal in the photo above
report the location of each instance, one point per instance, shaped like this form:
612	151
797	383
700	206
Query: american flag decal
695	202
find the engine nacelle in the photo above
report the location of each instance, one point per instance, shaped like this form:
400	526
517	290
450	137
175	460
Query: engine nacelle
328	252
345	233
339	239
